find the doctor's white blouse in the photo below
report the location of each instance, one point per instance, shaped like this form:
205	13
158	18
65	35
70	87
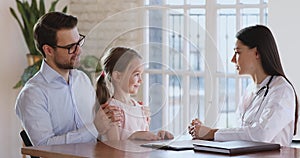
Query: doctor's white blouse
269	119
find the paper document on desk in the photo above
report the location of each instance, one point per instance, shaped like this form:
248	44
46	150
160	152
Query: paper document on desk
235	147
172	145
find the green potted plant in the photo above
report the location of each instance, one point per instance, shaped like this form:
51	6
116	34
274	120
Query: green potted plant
29	16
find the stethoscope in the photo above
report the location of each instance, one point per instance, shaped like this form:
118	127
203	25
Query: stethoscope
267	86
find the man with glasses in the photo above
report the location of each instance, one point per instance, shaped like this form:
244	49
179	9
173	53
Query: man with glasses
56	105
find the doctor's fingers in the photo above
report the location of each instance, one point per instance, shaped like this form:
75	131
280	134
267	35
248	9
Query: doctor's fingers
201	131
196	122
193	133
192	130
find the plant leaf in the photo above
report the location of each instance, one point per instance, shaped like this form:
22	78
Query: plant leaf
34	7
53	5
30	71
42	8
65	9
12	11
19	84
29	15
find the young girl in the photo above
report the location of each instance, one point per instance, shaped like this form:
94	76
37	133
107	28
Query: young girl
123	71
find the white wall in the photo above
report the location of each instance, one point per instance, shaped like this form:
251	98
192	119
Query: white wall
12	64
283	21
285	25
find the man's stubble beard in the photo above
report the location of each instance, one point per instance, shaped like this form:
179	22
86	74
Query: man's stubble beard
69	65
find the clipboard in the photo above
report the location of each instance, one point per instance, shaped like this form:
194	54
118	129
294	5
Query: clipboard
234	147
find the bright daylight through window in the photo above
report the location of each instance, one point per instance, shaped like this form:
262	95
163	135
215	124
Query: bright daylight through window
189	73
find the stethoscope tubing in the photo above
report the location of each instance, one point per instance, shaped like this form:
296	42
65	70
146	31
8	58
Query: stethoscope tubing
267	86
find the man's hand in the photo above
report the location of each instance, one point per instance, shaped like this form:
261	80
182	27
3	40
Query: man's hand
114	113
108	116
101	121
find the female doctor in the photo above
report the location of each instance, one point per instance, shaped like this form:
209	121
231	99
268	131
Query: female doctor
268	109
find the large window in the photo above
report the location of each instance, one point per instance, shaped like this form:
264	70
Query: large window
189	73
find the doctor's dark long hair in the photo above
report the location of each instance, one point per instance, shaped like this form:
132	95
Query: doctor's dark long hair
261	37
115	59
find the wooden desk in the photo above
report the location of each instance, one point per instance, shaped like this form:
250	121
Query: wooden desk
131	149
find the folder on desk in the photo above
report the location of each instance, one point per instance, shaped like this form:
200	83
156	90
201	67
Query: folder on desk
234	147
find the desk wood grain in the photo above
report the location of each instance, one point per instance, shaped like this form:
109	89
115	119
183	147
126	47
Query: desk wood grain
132	149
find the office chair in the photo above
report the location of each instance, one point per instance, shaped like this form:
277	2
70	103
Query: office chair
26	140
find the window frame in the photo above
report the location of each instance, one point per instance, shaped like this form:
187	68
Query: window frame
210	115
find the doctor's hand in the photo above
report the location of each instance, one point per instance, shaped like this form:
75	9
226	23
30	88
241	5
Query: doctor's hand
199	131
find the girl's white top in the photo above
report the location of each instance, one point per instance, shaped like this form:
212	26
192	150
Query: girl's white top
135	118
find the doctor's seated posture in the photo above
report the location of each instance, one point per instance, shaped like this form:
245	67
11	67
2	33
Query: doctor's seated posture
268	111
56	105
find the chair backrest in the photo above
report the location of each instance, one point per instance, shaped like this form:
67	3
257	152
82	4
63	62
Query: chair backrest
26	140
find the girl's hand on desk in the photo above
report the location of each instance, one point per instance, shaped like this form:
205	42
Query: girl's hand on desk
144	135
165	134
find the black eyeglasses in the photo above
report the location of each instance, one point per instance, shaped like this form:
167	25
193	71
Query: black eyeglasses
73	47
